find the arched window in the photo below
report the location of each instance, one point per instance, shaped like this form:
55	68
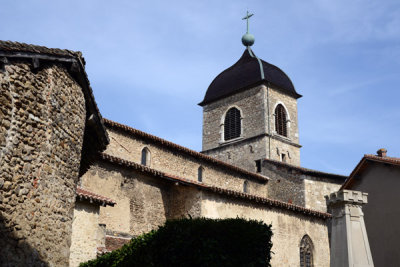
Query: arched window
200	173
246	187
145	157
232	124
280	120
306	252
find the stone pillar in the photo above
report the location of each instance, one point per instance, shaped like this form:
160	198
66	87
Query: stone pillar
349	241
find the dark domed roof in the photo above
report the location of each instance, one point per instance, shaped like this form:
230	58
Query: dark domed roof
248	71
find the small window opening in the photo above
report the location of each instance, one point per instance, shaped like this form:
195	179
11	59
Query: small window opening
283	157
246	187
200	174
258	165
145	157
232	124
280	120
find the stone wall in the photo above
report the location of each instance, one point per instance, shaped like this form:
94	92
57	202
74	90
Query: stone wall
294	186
259	139
85	231
124	146
288	228
42	117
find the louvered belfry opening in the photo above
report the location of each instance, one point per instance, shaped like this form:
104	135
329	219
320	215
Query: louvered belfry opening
280	120
232	124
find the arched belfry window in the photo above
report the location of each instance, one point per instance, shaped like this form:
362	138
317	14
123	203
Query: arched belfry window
281	120
306	252
232	124
200	173
145	157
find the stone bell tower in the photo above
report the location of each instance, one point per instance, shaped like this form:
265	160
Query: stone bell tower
250	113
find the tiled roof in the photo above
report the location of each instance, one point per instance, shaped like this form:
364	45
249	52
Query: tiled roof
181	149
362	164
307	171
36	49
84	194
226	192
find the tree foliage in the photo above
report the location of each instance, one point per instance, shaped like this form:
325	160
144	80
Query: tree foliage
196	242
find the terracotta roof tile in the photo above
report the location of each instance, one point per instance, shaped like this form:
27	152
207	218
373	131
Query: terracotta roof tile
226	192
181	149
84	194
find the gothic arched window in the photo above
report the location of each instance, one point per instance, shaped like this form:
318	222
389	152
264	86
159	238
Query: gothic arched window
200	172
145	157
280	120
232	124
306	252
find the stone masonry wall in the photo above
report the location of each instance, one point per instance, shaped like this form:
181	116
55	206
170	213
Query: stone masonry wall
292	152
288	228
259	139
293	186
85	228
251	105
42	118
129	148
142	202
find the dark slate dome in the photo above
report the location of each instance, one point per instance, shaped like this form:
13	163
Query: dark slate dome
247	72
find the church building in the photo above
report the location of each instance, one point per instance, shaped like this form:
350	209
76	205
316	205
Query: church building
75	185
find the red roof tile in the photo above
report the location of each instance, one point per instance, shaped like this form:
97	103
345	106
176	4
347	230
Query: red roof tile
226	192
181	149
84	194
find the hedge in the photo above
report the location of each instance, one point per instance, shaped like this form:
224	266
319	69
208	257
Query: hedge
196	242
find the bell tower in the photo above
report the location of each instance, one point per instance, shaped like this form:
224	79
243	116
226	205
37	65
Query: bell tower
250	113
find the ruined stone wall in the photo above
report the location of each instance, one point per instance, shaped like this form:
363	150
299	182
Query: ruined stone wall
85	228
288	228
42	118
167	160
293	186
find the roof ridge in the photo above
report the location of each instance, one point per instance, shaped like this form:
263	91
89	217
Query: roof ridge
302	169
184	149
229	192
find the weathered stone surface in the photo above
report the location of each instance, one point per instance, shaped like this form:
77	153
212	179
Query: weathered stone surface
41	112
259	138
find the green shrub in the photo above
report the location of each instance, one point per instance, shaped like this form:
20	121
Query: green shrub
196	242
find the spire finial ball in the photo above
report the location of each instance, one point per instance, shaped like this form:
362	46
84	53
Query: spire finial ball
248	39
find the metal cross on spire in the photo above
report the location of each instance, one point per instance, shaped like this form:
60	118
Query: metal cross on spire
247	38
247	18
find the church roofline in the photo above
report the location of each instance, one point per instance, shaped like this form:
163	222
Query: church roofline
230	193
184	150
306	171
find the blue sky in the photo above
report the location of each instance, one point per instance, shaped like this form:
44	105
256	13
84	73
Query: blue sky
150	63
